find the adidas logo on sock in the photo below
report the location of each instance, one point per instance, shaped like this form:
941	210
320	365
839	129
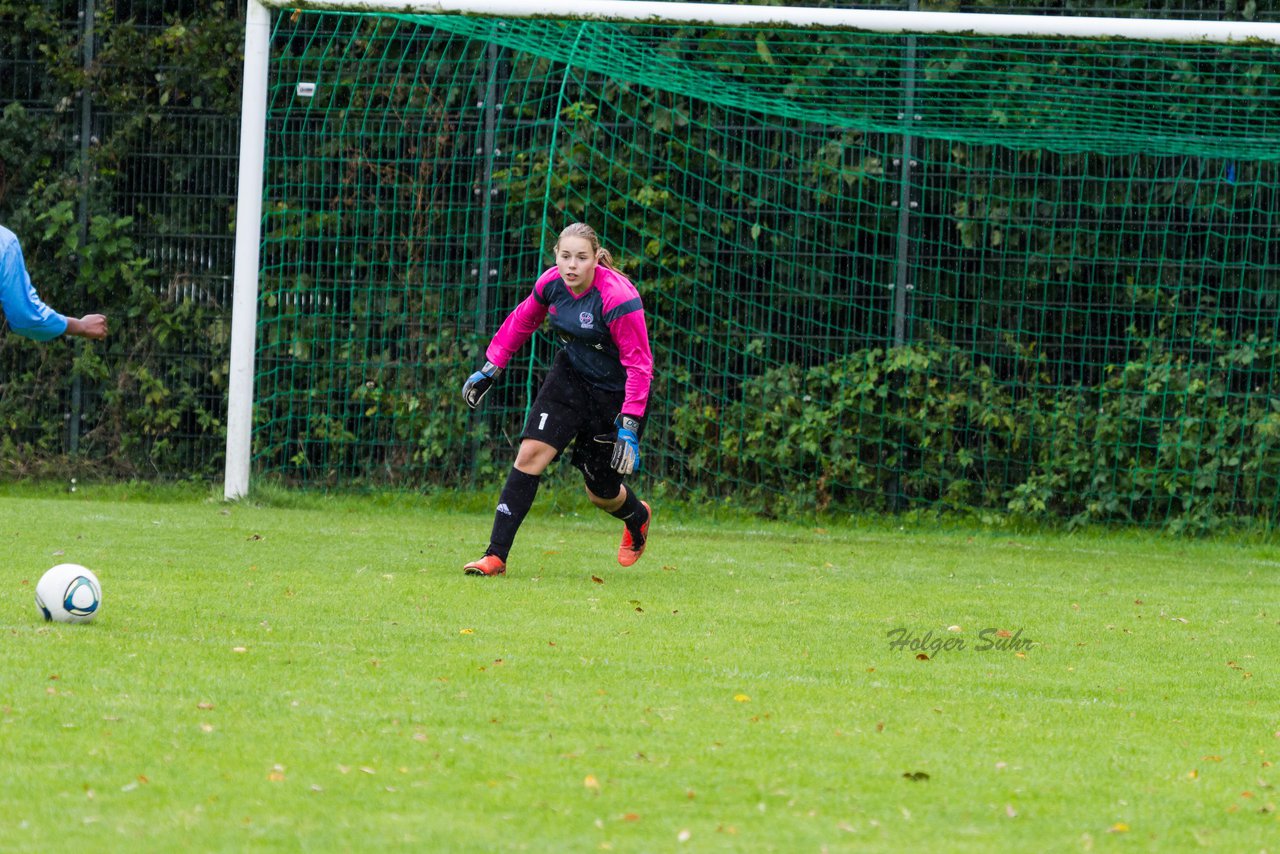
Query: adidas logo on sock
504	510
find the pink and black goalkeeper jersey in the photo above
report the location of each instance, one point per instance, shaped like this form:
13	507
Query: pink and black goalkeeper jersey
603	332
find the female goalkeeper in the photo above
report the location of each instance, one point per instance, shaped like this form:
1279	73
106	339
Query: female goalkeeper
593	398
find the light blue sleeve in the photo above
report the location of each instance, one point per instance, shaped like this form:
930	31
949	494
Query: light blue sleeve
23	308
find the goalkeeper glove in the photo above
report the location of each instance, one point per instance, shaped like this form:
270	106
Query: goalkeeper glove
479	383
626	444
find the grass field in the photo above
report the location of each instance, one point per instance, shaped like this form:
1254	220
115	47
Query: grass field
319	675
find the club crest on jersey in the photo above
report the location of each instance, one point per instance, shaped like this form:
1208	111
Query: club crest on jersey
586	320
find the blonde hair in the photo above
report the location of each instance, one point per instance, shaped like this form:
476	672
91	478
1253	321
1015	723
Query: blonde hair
587	233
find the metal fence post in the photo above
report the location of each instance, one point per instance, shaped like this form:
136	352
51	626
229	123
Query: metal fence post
486	271
87	13
902	280
903	284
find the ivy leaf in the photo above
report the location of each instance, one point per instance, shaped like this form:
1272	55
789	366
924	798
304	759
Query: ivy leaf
762	49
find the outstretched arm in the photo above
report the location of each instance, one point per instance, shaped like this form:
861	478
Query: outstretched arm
516	330
510	337
26	312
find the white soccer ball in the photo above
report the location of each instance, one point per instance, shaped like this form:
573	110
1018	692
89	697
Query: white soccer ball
69	593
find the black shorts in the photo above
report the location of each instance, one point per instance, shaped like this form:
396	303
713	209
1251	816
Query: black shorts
571	411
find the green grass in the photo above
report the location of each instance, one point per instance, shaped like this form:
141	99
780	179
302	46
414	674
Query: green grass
321	676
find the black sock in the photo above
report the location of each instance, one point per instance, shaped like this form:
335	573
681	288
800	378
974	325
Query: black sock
514	503
633	515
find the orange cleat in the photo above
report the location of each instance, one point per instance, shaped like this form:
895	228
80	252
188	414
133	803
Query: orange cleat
487	565
627	552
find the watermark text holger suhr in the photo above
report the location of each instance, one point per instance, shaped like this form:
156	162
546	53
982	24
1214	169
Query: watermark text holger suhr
989	640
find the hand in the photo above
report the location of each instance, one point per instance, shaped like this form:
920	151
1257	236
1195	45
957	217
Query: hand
626	445
90	326
479	383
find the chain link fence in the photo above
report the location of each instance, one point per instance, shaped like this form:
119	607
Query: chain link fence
156	120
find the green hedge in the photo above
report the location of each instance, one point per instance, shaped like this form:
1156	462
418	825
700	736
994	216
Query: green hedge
1160	440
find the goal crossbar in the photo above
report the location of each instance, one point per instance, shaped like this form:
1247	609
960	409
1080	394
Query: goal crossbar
868	20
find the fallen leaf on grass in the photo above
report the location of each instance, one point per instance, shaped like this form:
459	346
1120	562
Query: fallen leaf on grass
741	698
467	632
590	782
1118	827
597	579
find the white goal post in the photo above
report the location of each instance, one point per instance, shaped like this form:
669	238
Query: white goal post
248	224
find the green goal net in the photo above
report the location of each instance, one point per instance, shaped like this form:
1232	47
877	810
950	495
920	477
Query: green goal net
881	272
